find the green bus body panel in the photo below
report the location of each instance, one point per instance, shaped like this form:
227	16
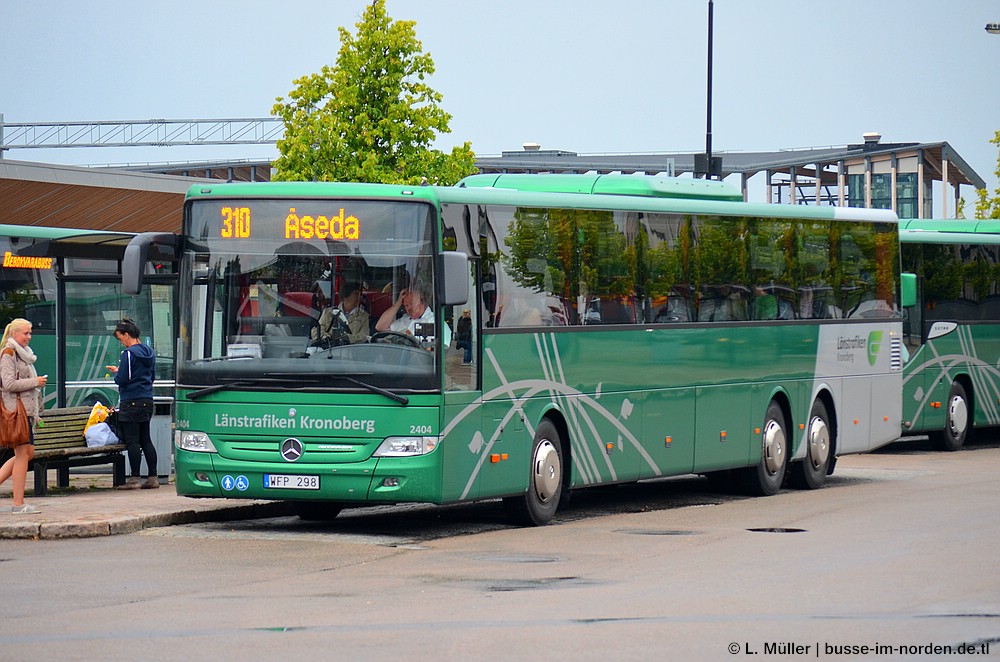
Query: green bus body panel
338	441
544	198
959	225
40	232
930	225
643	186
689	400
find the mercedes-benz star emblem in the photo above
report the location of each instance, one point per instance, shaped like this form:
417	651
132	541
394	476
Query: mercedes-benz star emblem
291	449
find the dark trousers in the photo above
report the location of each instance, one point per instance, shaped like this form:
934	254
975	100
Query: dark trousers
137	442
467	346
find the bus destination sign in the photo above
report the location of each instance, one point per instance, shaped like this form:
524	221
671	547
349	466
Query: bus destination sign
238	223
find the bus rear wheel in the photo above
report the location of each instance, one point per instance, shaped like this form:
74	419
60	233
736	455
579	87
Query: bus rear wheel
538	505
811	472
958	423
766	477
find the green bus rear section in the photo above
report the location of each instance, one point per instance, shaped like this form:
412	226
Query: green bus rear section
958	266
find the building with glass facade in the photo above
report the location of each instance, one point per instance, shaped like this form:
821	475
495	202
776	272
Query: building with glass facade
872	174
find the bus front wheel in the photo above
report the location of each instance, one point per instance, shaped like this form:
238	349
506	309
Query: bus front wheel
765	478
958	423
811	472
538	505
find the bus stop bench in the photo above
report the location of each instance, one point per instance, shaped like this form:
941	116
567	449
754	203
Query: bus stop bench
60	444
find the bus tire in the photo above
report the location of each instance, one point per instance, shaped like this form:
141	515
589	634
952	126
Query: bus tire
811	472
538	505
765	478
958	421
317	511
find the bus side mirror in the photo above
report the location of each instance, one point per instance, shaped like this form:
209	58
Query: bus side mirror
908	287
136	254
454	278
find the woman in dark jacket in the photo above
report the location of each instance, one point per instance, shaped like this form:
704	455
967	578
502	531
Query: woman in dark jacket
134	375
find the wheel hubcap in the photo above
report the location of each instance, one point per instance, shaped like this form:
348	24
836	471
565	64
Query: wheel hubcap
958	416
547	473
774	447
819	442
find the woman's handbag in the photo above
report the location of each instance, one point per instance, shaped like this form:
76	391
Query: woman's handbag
14	426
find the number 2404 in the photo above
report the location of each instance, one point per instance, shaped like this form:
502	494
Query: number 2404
420	429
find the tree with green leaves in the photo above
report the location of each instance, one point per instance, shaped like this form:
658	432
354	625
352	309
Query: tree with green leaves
372	116
987	206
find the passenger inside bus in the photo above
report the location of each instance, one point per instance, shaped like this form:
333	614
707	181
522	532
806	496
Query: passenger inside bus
339	325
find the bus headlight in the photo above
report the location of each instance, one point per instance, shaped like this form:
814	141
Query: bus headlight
194	441
406	446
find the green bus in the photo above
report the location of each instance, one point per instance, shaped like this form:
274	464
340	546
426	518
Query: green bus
951	382
621	328
68	284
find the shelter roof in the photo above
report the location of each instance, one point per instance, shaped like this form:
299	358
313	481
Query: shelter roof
37	194
742	163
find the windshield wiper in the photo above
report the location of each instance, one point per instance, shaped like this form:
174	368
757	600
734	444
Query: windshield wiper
202	392
208	390
401	399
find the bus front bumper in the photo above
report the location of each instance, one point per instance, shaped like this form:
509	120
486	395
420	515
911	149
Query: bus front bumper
376	480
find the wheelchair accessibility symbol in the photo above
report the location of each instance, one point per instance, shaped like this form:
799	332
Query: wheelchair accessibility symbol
240	483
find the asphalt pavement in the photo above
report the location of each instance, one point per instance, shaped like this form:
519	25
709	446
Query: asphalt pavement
91	507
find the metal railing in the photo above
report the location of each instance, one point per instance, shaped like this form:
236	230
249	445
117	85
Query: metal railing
139	133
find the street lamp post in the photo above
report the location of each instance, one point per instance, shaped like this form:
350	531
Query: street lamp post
705	164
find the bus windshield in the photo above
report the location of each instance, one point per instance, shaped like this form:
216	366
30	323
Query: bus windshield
309	293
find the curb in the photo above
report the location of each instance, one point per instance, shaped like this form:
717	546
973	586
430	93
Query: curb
25	530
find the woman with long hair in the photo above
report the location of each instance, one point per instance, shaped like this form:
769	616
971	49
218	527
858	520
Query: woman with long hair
20	382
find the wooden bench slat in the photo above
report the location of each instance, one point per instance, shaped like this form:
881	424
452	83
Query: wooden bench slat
61	444
67	452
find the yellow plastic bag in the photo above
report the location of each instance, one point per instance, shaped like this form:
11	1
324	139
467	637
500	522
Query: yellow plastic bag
97	415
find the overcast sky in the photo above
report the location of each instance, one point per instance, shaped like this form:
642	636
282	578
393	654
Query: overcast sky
580	75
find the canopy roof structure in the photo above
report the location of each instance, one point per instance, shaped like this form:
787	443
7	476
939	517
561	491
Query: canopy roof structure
148	198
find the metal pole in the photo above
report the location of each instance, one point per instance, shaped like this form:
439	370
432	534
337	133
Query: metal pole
708	128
